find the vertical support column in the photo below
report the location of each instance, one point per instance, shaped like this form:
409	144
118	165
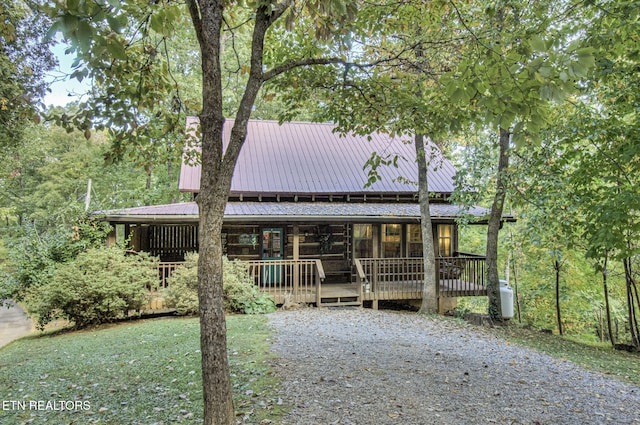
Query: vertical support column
127	233
375	230
439	306
135	238
112	236
296	265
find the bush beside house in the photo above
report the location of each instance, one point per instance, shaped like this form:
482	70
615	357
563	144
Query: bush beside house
240	294
100	285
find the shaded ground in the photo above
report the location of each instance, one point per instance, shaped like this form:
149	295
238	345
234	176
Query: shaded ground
360	366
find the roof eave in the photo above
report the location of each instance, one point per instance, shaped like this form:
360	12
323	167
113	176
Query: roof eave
152	218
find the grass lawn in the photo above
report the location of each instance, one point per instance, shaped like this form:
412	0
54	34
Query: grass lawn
146	372
601	358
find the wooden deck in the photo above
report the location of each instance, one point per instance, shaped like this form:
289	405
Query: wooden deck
374	279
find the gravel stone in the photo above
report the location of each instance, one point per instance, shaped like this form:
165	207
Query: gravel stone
362	366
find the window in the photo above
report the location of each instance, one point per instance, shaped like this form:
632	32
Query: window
272	243
445	240
391	240
414	240
362	241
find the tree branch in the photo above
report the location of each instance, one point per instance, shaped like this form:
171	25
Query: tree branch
278	10
280	69
194	11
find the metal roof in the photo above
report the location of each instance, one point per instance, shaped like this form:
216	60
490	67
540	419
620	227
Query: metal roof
310	158
292	211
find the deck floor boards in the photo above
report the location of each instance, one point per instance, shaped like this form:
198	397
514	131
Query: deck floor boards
408	290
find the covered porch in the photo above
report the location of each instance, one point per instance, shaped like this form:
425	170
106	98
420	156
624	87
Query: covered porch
321	253
372	280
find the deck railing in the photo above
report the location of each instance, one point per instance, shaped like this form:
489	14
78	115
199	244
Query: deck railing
300	280
297	279
402	278
462	275
390	278
378	278
164	271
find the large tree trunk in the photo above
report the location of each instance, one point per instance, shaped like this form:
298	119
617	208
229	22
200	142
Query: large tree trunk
218	398
212	199
493	228
214	192
429	289
215	183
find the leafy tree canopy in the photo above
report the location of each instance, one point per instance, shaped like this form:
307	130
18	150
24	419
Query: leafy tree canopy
24	59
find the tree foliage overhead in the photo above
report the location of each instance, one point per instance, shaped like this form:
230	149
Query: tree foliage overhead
579	186
432	67
24	60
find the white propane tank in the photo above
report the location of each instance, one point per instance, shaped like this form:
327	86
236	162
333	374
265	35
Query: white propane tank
506	299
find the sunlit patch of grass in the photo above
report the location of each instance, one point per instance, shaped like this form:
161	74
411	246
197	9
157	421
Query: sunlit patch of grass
137	373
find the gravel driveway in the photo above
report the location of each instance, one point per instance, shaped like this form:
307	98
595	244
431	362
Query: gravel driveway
14	323
361	366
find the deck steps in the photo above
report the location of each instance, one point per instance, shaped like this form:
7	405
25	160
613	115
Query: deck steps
341	304
340	295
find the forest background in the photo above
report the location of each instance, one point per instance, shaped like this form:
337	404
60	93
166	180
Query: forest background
571	183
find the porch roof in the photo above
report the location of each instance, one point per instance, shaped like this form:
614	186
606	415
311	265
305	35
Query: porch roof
255	212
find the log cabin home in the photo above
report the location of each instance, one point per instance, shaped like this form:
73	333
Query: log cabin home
301	214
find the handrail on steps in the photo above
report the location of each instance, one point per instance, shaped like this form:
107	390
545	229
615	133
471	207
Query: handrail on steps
321	276
360	275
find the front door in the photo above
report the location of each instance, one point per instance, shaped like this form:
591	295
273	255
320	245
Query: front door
272	244
272	248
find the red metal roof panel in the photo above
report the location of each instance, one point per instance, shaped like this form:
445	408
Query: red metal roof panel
309	158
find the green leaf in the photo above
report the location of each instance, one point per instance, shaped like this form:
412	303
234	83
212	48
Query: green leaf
84	35
519	139
114	23
58	25
586	58
564	77
69	23
537	43
116	49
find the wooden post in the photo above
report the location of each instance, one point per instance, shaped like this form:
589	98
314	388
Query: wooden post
296	265
135	238
112	237
127	232
439	266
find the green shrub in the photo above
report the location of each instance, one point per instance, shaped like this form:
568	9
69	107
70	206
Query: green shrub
99	286
34	256
240	293
182	293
